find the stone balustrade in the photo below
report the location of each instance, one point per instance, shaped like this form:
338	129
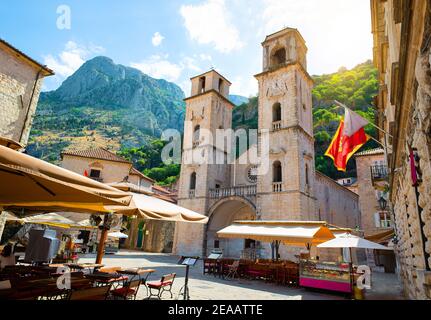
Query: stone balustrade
242	191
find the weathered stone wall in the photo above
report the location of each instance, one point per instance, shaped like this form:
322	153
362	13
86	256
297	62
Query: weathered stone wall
367	194
337	205
405	99
17	80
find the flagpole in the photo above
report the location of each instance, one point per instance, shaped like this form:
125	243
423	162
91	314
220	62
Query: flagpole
375	126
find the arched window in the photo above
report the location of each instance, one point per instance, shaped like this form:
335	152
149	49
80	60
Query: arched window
193	181
276	112
277	172
278	57
196	134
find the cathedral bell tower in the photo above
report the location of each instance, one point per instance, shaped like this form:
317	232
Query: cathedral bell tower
286	192
204	164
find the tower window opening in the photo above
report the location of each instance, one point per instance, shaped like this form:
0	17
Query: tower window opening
202	84
196	135
279	57
307	181
193	181
277	172
276	112
220	85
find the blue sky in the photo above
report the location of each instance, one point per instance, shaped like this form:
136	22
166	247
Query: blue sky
176	40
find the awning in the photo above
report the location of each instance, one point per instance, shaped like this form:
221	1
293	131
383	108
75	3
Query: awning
118	235
151	207
382	237
36	185
294	233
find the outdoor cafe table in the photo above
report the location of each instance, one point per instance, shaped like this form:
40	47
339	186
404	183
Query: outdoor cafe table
103	278
25	289
92	267
139	273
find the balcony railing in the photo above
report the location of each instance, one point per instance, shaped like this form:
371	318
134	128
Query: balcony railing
276	125
192	194
277	187
379	173
242	191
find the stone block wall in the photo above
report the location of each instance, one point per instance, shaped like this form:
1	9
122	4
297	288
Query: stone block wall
17	100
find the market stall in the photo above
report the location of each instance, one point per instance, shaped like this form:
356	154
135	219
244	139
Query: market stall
337	277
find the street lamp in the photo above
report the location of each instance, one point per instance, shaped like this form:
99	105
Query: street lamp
383	203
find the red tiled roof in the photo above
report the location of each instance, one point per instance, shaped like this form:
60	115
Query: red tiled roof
97	153
161	189
137	172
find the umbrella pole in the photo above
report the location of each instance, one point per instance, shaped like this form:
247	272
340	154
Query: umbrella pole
102	242
351	270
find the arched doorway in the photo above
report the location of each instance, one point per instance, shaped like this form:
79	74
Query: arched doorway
222	214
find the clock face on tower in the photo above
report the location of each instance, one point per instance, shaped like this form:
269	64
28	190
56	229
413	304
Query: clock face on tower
276	87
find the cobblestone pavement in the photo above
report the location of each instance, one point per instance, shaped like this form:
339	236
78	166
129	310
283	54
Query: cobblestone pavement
208	287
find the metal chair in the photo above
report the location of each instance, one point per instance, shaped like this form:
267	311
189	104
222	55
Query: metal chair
165	284
233	270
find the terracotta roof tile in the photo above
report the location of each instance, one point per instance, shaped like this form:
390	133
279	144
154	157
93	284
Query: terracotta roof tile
371	152
137	172
97	153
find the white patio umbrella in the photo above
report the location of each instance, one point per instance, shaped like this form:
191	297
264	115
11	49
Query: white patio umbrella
351	241
118	235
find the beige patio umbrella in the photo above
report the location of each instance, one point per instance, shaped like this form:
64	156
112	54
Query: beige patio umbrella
9	143
30	183
151	207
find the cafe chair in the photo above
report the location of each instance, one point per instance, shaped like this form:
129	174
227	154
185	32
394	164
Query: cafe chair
128	291
165	284
233	270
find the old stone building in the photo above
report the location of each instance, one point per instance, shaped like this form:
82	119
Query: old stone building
402	51
290	188
21	80
372	190
107	167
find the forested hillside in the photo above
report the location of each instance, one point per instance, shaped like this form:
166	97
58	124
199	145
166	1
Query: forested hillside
356	88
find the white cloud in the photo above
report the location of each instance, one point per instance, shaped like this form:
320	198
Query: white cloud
337	32
159	67
71	58
244	87
205	57
211	23
157	39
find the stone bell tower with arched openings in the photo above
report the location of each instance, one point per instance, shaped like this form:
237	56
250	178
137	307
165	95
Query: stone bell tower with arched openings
285	109
204	163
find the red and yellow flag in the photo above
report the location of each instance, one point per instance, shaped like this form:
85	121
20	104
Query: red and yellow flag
350	137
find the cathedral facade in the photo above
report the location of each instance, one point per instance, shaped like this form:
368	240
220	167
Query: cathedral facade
286	186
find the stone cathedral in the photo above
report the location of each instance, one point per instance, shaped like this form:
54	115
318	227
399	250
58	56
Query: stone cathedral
291	189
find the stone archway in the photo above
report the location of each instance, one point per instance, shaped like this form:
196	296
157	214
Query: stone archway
222	214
